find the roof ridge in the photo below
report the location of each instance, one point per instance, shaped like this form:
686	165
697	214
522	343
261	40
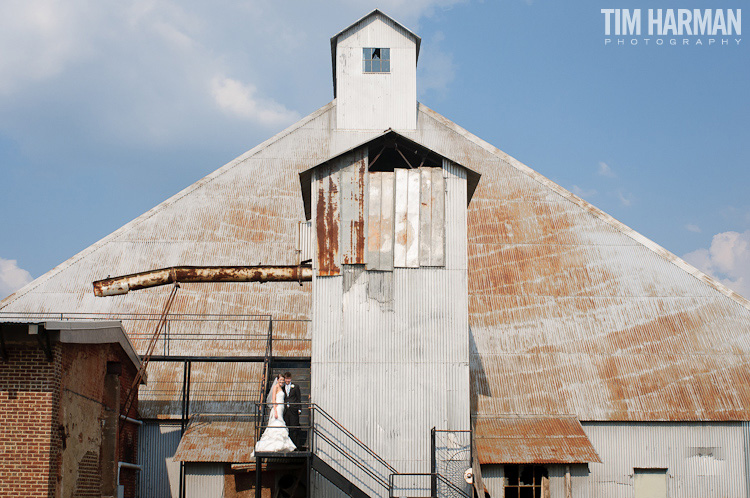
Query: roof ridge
610	220
162	205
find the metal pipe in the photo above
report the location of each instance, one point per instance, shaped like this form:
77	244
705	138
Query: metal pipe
131	420
126	465
193	274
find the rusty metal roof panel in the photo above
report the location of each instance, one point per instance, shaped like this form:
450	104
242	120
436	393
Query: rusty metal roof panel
217	438
587	316
533	439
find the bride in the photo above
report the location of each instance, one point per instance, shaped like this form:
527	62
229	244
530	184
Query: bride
276	436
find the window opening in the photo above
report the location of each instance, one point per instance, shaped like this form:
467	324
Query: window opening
390	155
525	481
376	60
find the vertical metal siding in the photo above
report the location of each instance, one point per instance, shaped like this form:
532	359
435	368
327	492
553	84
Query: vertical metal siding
391	370
327	220
305	241
381	100
432	218
407	203
455	216
703	459
157	443
204	480
493	477
380	221
353	172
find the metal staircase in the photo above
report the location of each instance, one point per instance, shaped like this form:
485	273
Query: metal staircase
324	437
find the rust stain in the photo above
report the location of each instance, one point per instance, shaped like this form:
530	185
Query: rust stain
327	228
533	440
197	274
355	247
217	438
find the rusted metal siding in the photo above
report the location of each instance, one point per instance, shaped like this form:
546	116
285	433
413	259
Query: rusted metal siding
353	206
530	439
328	220
570	311
214	388
339	217
218	438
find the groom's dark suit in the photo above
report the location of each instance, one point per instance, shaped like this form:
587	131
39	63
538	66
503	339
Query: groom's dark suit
291	413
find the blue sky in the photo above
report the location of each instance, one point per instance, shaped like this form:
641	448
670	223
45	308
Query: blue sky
107	108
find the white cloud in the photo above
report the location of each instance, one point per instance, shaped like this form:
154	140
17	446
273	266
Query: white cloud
240	100
727	259
83	74
690	227
12	277
582	193
38	39
605	170
624	198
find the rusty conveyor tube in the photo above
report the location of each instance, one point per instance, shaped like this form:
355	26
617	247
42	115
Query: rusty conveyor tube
190	274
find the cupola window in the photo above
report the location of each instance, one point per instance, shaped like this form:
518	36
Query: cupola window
376	60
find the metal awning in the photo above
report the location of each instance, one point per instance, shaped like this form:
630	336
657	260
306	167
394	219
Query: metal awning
217	438
532	439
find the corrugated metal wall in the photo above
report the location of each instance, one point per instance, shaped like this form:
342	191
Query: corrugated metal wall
390	355
204	480
492	476
702	459
157	443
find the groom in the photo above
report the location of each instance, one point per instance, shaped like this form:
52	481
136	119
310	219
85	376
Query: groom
292	411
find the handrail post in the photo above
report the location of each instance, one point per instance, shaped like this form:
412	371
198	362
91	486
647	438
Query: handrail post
311	433
433	465
258	482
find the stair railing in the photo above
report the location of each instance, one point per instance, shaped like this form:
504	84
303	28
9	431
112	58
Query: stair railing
437	476
352	437
260	412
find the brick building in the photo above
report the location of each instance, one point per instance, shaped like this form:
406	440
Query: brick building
62	390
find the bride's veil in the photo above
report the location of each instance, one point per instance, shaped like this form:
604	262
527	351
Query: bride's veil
269	398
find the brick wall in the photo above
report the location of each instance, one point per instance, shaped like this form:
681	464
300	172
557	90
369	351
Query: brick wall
84	370
50	420
30	438
129	434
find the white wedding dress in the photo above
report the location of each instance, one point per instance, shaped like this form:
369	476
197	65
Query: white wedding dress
275	438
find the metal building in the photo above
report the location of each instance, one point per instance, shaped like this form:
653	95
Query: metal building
465	312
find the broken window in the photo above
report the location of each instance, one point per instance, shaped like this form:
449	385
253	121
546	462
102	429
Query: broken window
526	481
376	60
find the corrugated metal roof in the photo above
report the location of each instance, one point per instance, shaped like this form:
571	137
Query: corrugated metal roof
533	440
571	312
217	438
